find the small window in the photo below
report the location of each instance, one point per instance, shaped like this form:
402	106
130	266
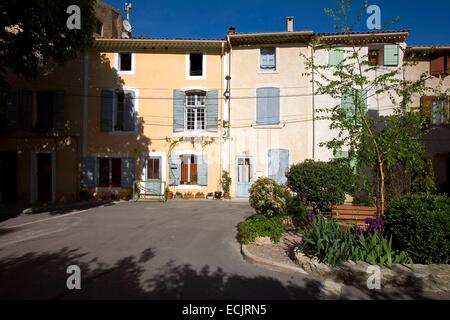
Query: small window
45	110
125	61
195	64
374	57
110	172
99	28
118	123
188	169
439	112
153	166
268	59
195	110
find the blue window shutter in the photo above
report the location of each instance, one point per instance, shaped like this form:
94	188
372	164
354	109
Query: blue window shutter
273	106
212	110
127	178
202	170
267	58
278	164
88	172
391	55
27	108
178	110
58	110
12	109
174	171
261	105
335	56
106	122
129	116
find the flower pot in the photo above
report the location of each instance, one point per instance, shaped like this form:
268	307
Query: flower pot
226	195
169	195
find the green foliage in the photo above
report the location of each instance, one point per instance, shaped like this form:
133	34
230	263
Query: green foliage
261	226
42	35
324	239
321	184
297	210
420	225
226	181
268	197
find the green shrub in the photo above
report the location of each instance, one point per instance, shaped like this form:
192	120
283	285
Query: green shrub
226	181
261	226
420	225
297	210
268	197
322	184
324	239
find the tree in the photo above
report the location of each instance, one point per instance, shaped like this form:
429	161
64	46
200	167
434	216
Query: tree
379	143
35	32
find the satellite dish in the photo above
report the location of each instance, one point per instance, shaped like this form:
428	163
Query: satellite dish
127	25
125	35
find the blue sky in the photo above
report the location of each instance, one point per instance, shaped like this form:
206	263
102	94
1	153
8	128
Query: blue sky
427	20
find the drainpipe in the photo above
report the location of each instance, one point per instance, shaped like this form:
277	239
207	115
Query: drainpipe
313	106
229	103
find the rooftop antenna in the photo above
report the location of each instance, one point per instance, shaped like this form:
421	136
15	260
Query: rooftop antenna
126	23
128	9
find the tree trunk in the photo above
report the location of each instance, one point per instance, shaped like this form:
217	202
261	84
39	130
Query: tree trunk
381	200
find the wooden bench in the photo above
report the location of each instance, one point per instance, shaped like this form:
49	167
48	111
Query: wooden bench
353	214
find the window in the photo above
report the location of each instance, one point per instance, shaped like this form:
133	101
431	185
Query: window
188	169
267	106
335	56
99	28
195	64
391	55
153	165
439	112
110	170
374	57
195	110
45	110
268	59
125	61
120	111
439	65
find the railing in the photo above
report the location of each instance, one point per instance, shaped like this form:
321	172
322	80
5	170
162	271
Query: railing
149	190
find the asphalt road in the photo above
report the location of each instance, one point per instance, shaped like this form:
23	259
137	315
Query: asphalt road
146	250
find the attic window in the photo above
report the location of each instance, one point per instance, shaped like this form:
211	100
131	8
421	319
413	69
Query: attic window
195	64
125	61
439	64
374	57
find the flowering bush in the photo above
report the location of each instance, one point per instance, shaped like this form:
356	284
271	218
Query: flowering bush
269	198
374	225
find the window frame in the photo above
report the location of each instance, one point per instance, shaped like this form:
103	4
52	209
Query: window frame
187	68
136	110
191	180
196	107
110	183
117	63
267	70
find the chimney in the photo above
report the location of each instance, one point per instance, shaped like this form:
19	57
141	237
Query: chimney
289	24
231	30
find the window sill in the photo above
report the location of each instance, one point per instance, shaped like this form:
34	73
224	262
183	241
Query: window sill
122	133
195	77
192	134
268	72
188	187
126	72
268	126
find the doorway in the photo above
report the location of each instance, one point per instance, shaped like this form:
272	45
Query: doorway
244	176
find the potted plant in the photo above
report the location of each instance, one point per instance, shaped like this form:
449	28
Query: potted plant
226	183
188	195
178	195
199	195
169	194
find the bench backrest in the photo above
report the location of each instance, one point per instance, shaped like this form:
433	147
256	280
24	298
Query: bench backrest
357	214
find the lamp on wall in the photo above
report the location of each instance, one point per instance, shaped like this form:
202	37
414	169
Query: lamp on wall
226	94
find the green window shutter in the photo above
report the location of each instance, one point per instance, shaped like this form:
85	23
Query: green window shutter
391	55
174	171
27	108
129	115
58	110
127	178
202	170
88	172
347	104
178	110
12	109
341	154
335	56
106	122
212	110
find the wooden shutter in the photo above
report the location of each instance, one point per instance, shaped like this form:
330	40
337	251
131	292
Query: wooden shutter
391	55
261	105
27	108
128	168
438	65
335	56
178	110
88	172
174	171
425	109
12	109
106	122
58	110
202	170
129	114
273	106
212	110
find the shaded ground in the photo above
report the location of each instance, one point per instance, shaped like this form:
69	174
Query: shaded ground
182	250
